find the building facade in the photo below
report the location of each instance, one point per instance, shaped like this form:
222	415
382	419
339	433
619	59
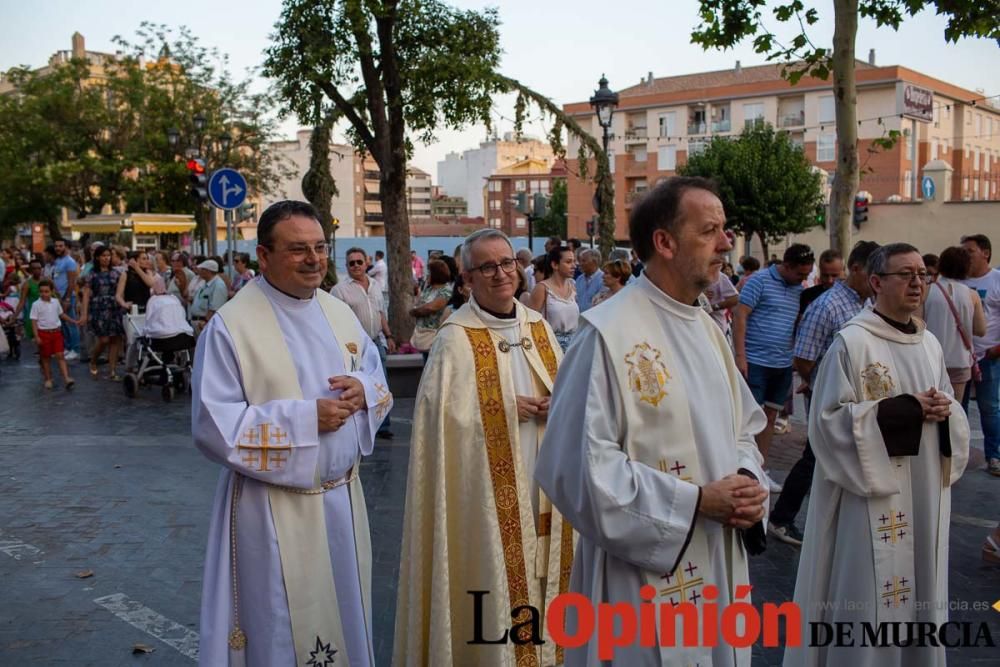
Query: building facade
368	206
527	177
464	175
659	122
296	155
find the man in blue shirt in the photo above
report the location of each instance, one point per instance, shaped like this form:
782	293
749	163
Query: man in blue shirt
64	273
591	279
821	321
762	334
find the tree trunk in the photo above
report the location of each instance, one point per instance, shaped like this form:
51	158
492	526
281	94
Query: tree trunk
763	249
55	229
845	182
392	194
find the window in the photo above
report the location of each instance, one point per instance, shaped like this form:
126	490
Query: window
521	223
640	154
753	113
667	158
494	204
968	117
968	148
826	147
495	186
534	186
934	150
697	146
668	124
908	144
519	186
975	189
827	110
937	116
907	183
979	124
543	187
495	222
975	158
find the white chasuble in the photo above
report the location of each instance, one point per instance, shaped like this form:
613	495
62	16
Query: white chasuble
288	565
474	520
876	538
649	406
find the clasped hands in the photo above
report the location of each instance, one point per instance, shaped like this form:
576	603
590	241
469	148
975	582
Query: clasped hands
529	407
936	404
332	413
735	500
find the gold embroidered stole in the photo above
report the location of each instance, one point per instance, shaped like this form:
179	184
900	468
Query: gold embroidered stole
299	520
890	517
660	435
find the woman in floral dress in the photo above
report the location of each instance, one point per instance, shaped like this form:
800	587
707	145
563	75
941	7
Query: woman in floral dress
102	312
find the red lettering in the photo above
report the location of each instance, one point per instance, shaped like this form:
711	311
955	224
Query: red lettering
555	620
688	615
710	616
793	623
607	640
647	617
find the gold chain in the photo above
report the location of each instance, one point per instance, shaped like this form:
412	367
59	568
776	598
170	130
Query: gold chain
237	638
325	486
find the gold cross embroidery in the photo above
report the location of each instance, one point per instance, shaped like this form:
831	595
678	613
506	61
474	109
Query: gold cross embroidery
679	585
264	448
896	592
893	527
676	469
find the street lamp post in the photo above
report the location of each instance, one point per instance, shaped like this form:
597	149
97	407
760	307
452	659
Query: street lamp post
604	102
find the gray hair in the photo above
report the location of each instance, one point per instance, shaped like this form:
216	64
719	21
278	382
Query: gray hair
620	253
590	252
477	236
525	253
878	261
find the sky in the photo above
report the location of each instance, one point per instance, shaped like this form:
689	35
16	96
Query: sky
558	48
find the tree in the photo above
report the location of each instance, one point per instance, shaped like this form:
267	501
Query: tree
394	70
727	22
767	185
319	187
87	141
554	222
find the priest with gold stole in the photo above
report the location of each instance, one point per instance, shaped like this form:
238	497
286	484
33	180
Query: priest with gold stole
480	543
890	440
288	394
654	460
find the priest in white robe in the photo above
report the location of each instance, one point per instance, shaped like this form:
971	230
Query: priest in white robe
890	440
653	460
474	518
288	394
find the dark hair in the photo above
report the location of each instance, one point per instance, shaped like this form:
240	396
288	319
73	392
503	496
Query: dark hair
829	255
279	212
46	282
354	251
750	263
982	241
660	208
798	254
618	269
452	266
134	254
35	260
51	249
930	260
860	253
554	257
100	250
574	244
954	263
379	254
438	272
878	262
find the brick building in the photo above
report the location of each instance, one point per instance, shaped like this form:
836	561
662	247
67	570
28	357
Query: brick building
659	122
529	176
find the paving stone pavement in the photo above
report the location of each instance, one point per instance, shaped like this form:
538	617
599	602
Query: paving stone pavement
97	482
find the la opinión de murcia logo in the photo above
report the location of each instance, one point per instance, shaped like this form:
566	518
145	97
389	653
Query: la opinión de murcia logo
739	625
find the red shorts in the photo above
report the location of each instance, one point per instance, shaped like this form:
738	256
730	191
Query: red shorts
50	343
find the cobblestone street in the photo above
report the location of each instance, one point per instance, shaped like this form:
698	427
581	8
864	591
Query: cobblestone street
104	513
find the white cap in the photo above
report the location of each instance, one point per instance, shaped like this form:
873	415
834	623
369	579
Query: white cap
209	265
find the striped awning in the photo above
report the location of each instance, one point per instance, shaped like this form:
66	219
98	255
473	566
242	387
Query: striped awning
139	223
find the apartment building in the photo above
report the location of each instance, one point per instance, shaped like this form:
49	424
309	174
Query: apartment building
660	121
529	176
368	207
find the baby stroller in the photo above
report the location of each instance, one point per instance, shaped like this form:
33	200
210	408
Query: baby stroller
163	362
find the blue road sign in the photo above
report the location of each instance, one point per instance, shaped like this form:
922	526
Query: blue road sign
227	188
927	185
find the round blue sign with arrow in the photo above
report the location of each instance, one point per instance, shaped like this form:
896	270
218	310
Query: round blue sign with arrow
927	185
227	188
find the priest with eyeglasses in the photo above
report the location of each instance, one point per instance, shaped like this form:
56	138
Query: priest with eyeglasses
475	519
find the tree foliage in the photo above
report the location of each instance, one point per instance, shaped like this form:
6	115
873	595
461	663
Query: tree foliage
725	23
554	221
767	185
395	71
86	140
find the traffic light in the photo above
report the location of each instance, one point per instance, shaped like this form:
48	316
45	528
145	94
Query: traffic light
199	179
860	210
522	202
592	227
821	215
246	211
540	204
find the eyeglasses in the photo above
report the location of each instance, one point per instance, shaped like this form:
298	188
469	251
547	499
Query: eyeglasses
908	276
356	262
300	251
490	269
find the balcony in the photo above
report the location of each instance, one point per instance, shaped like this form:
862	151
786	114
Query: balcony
636	135
697	128
632	197
374	219
635	167
371	175
795	119
371	196
719	126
